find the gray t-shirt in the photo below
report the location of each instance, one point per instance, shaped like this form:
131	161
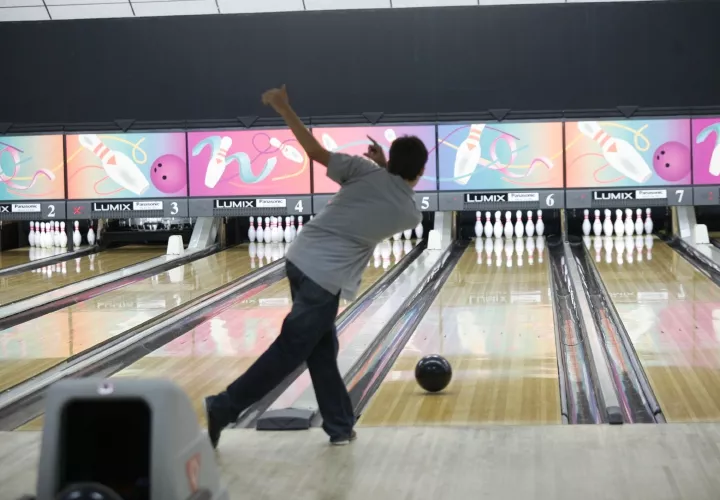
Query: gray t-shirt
334	248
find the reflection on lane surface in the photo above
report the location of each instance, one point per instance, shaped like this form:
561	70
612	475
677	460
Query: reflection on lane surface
31	347
493	321
22	285
671	313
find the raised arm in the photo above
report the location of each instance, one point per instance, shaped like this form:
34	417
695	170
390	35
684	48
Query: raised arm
278	99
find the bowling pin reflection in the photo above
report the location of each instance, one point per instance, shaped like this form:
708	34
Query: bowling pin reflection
623	249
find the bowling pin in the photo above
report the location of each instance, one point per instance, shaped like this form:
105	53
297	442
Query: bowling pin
478	225
629	226
530	225
77	238
396	236
597	225
251	230
288	232
268	231
488	225
56	234
586	222
519	228
419	229
407	234
31	234
607	224
121	169
619	225
287	150
508	225
648	221
292	227
259	232
619	154
91	234
63	236
638	221
540	229
300	225
468	155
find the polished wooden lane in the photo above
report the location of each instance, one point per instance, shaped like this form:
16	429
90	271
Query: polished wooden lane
672	315
23	285
206	359
20	256
495	325
29	348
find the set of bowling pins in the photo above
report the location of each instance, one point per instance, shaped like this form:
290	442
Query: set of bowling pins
48	235
620	227
508	230
497	247
266	253
627	248
273	232
408	233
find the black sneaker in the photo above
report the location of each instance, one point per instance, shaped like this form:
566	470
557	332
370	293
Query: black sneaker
343	440
213	426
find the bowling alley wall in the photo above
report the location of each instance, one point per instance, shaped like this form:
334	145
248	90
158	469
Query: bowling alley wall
530	61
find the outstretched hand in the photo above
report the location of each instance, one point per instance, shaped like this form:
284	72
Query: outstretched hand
376	153
277	98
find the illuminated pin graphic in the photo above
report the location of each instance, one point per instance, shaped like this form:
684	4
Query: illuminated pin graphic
468	155
287	150
121	169
619	154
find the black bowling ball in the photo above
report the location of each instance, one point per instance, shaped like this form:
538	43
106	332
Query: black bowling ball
433	373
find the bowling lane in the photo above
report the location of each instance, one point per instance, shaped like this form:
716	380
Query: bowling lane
20	256
495	325
206	359
23	285
671	312
29	348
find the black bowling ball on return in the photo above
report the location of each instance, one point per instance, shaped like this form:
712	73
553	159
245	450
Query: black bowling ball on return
433	373
88	491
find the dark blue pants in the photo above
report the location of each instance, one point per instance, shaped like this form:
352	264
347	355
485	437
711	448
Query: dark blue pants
308	335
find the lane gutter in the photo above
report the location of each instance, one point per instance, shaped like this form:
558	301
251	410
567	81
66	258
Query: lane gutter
580	395
636	398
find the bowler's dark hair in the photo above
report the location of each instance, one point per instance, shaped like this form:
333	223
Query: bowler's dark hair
408	156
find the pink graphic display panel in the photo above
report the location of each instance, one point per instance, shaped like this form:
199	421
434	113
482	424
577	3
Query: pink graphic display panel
354	141
706	150
247	163
127	166
32	168
627	153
